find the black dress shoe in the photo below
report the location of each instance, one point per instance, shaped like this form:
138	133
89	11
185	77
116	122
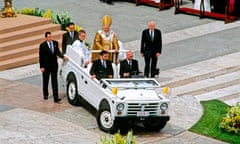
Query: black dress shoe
45	97
58	101
109	2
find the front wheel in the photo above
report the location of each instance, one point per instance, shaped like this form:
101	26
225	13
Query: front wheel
154	124
105	121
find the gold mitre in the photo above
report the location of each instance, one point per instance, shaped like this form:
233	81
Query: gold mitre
106	21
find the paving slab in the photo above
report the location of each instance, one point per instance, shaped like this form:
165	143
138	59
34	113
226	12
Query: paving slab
26	126
190	138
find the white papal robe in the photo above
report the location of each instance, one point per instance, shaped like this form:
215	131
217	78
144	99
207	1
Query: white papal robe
207	6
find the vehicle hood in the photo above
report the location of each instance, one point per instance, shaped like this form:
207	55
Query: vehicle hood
139	95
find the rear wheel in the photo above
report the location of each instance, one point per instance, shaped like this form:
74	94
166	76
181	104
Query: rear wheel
72	92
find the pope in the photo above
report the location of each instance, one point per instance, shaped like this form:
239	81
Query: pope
106	39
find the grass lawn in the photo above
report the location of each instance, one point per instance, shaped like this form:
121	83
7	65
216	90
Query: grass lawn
208	125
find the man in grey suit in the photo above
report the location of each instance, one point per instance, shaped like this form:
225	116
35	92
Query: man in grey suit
129	66
151	48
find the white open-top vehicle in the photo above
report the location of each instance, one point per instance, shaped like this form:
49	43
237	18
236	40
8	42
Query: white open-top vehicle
116	100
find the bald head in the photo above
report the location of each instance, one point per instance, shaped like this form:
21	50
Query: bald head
151	25
129	55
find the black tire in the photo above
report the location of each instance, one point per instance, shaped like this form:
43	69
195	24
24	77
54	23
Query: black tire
105	123
72	92
154	124
124	126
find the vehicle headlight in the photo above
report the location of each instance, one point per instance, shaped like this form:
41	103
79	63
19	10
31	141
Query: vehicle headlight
120	107
164	106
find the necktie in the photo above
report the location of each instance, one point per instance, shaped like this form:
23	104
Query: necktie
130	63
71	35
104	64
151	35
51	47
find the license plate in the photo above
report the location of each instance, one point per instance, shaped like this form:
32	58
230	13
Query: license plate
142	114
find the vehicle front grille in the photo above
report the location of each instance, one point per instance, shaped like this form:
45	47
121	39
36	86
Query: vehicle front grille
151	108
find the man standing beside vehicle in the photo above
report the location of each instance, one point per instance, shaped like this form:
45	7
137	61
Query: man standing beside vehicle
151	48
48	52
81	47
69	37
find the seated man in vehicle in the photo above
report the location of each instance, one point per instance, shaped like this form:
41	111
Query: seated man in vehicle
129	66
102	67
82	49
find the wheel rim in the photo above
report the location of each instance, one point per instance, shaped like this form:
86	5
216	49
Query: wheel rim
106	119
71	91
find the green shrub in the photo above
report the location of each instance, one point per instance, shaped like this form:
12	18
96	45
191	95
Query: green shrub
231	122
57	18
27	11
208	125
118	139
63	19
39	12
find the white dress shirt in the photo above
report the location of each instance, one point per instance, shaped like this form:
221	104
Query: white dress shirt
82	49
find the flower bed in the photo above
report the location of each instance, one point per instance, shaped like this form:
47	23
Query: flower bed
118	139
231	122
57	18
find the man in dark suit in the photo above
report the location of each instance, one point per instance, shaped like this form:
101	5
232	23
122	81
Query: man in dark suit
69	37
151	48
129	66
107	1
102	67
48	52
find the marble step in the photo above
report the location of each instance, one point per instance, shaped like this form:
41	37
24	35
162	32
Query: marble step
19	61
207	85
31	31
200	71
231	92
21	22
5	46
11	54
231	99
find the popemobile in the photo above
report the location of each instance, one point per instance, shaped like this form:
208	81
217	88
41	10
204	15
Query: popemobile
118	100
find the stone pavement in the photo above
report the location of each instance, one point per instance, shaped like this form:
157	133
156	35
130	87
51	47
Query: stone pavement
26	126
26	118
200	60
35	120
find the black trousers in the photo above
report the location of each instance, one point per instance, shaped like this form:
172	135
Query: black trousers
108	1
150	62
45	76
236	8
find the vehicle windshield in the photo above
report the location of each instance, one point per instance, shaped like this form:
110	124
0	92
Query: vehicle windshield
132	83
